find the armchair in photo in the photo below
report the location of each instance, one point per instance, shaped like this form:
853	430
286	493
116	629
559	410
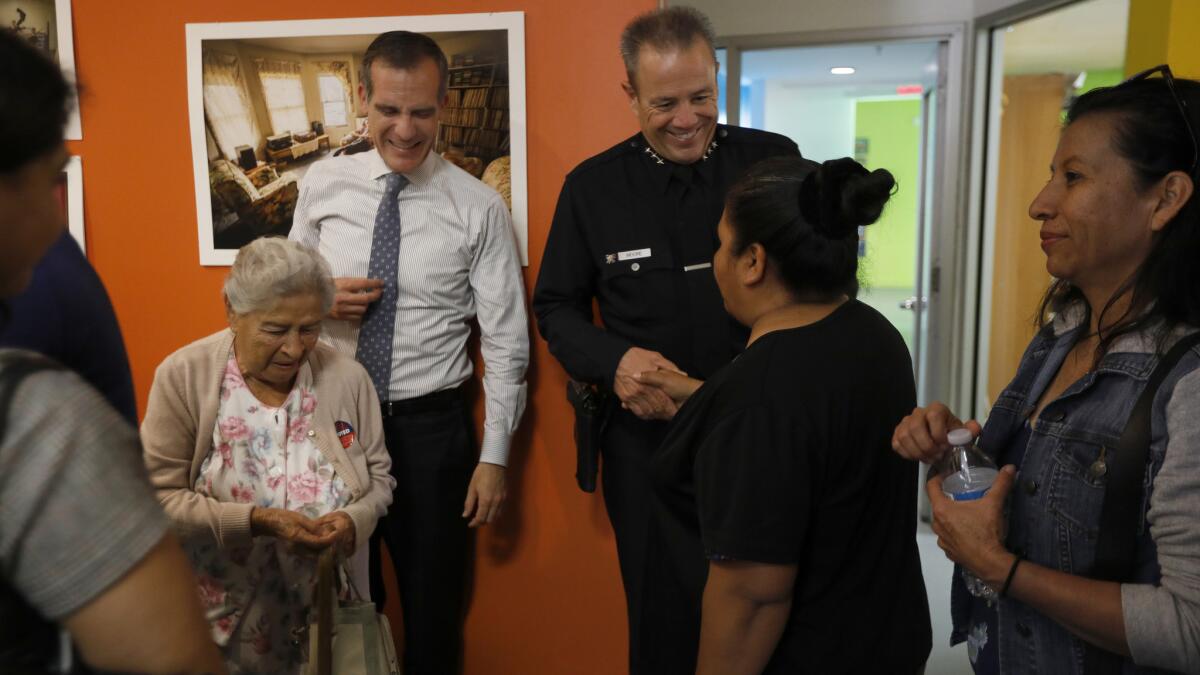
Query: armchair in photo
245	207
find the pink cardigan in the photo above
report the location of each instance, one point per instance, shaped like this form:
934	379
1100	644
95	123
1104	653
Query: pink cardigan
178	428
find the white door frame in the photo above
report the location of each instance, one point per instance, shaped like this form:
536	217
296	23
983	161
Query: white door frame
981	204
943	340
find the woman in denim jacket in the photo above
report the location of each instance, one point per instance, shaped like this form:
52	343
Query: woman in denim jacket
1121	233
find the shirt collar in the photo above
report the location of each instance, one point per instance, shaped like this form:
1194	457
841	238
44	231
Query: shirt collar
419	176
662	169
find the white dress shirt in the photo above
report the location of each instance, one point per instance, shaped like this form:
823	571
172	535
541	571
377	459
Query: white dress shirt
458	260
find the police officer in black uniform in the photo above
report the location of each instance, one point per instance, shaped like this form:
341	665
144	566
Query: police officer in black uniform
636	229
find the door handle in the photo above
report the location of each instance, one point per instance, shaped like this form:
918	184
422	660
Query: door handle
913	303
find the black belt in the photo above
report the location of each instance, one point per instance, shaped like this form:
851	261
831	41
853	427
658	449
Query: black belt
446	399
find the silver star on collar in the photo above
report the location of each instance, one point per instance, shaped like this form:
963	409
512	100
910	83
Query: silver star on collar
659	160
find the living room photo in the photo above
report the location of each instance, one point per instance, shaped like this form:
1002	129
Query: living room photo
273	105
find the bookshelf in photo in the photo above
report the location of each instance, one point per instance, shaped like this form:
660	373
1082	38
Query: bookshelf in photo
475	119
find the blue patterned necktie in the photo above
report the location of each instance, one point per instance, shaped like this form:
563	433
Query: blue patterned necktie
379	323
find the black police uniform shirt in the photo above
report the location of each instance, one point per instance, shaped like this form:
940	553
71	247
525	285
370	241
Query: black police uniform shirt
637	233
784	457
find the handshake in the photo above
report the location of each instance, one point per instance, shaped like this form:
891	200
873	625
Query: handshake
650	386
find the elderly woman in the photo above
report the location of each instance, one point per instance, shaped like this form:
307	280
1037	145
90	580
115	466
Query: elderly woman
785	528
1121	233
265	446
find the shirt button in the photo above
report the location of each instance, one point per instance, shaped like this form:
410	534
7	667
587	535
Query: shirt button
311	433
1031	487
1057	416
1024	630
635	267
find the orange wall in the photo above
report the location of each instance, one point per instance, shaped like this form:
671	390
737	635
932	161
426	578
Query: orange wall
547	593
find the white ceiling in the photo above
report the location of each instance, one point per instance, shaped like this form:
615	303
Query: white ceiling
1087	35
880	68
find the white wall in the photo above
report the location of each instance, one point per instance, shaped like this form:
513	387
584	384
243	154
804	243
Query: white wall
763	17
821	123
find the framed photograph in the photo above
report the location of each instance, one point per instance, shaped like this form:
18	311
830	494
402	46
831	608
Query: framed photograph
73	200
47	24
268	99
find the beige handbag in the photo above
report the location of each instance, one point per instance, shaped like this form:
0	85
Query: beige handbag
348	638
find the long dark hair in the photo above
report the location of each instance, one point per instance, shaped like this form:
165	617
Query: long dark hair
1149	133
806	215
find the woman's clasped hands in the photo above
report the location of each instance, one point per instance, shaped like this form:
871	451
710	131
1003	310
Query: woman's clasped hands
304	534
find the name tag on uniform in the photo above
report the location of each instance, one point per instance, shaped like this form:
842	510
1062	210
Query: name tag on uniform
634	255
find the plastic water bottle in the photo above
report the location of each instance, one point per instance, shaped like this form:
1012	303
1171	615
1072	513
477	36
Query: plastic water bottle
967	474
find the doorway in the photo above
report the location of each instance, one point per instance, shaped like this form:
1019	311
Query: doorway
1039	64
878	103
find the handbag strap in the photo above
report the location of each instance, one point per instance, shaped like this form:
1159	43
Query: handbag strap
1120	514
325	591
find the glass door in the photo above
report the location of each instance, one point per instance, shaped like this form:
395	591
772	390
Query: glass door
878	103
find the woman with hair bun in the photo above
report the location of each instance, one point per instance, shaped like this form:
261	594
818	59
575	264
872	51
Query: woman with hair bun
784	525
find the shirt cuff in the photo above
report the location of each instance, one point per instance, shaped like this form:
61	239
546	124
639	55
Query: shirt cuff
235	525
495	446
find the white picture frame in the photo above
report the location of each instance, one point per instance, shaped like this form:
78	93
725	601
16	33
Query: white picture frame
64	28
73	173
197	34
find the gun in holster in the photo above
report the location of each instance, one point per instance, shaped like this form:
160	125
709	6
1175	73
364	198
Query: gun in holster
593	407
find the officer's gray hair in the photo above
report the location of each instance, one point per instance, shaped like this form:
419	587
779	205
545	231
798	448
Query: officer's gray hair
665	30
272	268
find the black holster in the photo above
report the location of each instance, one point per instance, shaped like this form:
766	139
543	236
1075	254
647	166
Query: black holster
593	407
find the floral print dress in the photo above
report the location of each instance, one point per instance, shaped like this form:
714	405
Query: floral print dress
257	597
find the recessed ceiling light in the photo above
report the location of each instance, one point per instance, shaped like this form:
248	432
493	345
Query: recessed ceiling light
842	70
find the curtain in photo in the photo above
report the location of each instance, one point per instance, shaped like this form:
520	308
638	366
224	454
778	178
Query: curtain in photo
226	104
333	78
284	94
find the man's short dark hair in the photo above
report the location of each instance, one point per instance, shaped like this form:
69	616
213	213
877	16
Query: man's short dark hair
665	30
34	101
404	50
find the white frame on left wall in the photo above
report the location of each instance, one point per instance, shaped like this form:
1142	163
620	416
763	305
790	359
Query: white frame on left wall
512	22
65	34
74	171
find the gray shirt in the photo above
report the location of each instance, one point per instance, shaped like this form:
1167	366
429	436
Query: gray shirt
76	509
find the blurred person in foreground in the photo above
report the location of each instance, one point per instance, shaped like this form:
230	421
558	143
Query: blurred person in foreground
83	544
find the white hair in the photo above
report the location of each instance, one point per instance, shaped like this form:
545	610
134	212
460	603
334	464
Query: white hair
271	268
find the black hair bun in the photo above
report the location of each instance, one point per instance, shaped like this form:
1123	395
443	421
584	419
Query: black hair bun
842	194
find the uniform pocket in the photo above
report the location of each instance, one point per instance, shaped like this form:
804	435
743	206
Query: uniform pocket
644	288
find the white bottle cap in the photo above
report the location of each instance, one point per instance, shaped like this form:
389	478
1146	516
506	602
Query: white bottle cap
960	437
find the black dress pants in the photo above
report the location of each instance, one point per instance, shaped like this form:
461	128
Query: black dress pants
628	448
433	458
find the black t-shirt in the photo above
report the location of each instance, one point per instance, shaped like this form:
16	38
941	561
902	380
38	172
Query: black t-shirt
784	457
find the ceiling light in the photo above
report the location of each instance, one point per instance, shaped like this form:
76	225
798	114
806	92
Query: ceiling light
842	70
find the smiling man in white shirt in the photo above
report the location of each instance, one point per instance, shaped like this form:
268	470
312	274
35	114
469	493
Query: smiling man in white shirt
420	247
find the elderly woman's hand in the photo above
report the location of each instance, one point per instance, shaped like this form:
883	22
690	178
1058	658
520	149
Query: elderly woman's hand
971	533
341	528
291	527
922	434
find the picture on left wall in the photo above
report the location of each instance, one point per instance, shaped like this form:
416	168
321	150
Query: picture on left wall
267	100
72	200
47	25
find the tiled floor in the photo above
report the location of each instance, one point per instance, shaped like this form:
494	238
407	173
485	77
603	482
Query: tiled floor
943	660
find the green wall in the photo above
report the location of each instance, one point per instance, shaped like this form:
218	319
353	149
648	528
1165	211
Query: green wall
1101	78
892	129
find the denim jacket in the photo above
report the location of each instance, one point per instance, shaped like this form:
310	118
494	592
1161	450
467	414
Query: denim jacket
1055	503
